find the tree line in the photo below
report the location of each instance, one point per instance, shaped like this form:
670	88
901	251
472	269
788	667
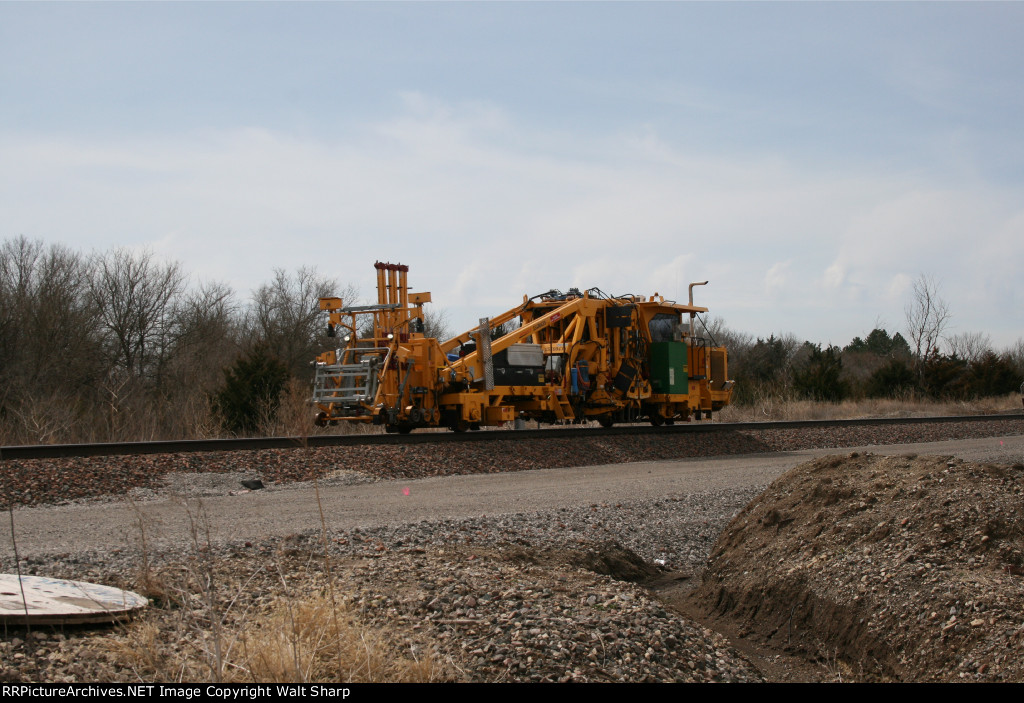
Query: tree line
926	364
121	345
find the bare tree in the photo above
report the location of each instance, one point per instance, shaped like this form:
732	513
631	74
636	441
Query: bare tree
927	317
285	316
1015	355
734	341
46	323
505	328
436	323
208	338
48	339
137	298
969	346
208	324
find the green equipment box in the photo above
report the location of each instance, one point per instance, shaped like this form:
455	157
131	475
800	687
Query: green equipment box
668	367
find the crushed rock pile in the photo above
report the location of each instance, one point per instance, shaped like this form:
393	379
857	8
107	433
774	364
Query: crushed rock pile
883	568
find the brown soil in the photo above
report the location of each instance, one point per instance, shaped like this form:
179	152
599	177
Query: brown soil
876	569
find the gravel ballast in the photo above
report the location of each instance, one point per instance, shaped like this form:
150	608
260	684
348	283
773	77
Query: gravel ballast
45	481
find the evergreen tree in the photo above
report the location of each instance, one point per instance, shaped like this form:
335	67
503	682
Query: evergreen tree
820	378
992	375
252	390
944	376
892	380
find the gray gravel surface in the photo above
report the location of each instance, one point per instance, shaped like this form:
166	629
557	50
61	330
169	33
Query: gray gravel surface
512	576
349	502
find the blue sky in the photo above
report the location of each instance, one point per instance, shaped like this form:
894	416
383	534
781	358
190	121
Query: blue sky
809	159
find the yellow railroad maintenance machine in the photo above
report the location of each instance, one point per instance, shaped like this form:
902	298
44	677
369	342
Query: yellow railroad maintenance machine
574	357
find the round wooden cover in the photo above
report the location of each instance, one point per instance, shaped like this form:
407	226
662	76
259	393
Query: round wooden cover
42	600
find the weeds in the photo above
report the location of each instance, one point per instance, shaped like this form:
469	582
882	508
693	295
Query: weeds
147	583
771	407
297	633
213	623
312	639
17	565
203	575
834	667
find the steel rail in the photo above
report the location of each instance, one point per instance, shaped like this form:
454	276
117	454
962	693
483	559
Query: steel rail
52	451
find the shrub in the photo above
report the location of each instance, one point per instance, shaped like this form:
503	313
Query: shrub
252	390
894	380
820	377
992	375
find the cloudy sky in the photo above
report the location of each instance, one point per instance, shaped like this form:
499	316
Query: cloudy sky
809	159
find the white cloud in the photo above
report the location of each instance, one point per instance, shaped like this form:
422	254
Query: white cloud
483	212
834	275
776	278
899	286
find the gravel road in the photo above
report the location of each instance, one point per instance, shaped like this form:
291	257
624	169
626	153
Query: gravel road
286	509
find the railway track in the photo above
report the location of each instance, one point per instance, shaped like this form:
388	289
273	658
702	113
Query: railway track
53	451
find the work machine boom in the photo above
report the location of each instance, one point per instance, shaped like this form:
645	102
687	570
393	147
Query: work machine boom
573	357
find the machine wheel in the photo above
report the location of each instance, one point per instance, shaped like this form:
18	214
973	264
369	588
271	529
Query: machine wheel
656	419
606	421
321	419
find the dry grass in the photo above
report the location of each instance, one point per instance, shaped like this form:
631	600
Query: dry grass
310	641
775	409
294	417
303	640
278	618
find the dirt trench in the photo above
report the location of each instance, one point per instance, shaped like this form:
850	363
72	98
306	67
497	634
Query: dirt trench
876	569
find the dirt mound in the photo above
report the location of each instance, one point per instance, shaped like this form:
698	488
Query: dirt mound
612	559
893	568
607	558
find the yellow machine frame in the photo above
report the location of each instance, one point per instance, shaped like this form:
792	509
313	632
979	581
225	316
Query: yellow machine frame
575	357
